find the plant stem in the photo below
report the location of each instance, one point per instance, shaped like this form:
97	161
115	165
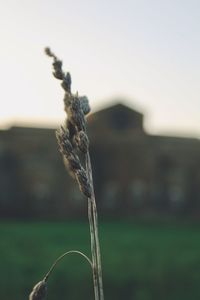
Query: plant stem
95	246
62	256
69	140
93	251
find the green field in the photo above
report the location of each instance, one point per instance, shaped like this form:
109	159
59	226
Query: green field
140	261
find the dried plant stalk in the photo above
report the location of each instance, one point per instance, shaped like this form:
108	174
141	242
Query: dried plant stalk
93	220
72	139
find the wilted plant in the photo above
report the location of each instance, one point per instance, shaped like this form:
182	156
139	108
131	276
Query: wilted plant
74	146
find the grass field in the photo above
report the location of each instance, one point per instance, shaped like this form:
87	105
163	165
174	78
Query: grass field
140	261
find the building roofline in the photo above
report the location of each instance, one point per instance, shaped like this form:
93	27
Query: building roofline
116	103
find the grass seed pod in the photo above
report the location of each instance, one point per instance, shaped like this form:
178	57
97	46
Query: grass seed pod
39	291
74	162
84	104
83	183
66	83
82	141
58	73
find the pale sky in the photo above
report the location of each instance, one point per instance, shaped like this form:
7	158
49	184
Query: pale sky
144	51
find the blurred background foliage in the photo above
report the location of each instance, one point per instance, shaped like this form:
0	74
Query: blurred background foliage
142	260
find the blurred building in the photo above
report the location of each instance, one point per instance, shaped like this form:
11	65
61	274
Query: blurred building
134	173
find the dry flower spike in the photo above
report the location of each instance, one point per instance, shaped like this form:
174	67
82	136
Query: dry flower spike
74	144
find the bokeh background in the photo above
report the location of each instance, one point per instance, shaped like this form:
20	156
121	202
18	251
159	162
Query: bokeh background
138	63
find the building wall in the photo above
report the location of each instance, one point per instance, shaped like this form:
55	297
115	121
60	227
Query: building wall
134	173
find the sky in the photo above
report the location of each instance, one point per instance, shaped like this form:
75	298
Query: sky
145	52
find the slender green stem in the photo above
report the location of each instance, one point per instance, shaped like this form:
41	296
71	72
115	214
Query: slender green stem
92	214
93	251
62	256
98	251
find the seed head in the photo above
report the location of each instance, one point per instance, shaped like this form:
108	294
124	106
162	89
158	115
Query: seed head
74	111
64	143
84	104
82	141
48	52
66	83
83	183
57	66
39	291
74	162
